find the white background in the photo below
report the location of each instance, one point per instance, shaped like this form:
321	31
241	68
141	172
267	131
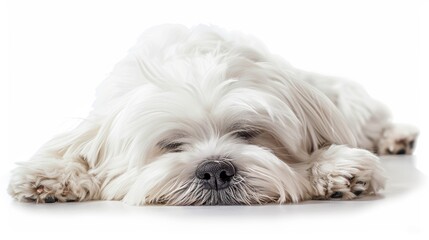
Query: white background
55	53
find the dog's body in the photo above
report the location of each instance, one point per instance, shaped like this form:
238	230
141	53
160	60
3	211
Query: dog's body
201	116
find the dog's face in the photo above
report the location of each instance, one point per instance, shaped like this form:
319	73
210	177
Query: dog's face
226	142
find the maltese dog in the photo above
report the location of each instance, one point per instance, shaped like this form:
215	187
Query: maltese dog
202	116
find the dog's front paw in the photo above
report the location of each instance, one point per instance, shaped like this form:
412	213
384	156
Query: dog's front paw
345	173
342	186
397	139
49	182
39	193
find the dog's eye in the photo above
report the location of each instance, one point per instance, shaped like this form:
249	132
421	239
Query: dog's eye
172	146
247	134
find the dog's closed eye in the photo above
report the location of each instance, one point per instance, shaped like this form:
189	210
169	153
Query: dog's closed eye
172	146
247	134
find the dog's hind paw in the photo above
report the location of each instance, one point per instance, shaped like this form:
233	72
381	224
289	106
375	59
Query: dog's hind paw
397	139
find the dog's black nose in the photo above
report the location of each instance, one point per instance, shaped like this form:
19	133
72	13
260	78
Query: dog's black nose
215	175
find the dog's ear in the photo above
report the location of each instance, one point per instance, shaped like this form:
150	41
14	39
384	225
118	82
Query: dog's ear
324	124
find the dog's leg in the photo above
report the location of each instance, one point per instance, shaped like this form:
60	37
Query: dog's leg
369	120
58	172
379	135
344	173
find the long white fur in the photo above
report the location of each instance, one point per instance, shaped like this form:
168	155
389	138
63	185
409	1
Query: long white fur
199	86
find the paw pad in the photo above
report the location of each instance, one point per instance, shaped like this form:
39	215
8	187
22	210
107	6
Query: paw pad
50	199
337	195
357	193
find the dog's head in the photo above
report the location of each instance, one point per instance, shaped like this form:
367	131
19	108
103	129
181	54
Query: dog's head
218	144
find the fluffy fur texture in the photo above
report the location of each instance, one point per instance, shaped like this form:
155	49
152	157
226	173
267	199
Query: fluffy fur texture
183	96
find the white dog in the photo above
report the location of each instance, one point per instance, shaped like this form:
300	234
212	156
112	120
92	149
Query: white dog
202	116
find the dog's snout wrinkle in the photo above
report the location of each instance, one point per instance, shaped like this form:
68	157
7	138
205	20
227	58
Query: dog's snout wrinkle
215	174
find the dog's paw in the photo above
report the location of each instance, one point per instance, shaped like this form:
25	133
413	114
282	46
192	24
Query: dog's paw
345	173
51	182
45	191
342	186
397	139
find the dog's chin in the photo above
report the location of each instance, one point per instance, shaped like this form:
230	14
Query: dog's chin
238	193
260	178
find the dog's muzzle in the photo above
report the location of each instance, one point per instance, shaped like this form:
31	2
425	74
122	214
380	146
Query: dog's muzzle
215	174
